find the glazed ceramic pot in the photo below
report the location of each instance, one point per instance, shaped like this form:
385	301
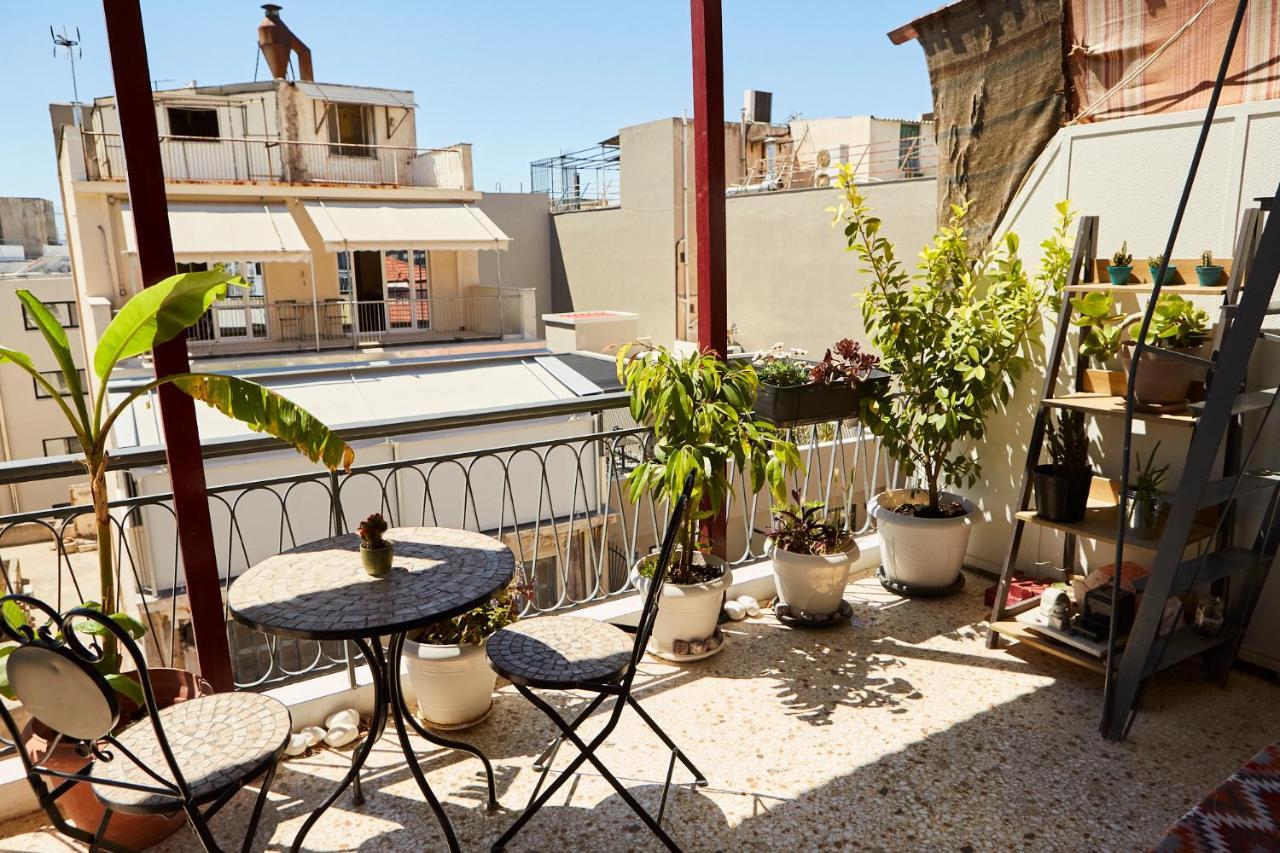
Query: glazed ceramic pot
453	683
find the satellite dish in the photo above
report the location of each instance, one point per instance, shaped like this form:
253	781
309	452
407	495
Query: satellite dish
824	159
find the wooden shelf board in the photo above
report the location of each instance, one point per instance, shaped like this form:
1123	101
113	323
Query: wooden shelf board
1147	287
1107	404
1021	633
1100	519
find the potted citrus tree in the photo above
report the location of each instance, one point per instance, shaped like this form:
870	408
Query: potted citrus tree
811	553
699	409
448	670
157	314
955	337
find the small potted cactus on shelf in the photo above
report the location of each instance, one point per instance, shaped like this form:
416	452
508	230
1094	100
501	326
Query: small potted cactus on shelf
1208	273
1153	266
1121	265
375	552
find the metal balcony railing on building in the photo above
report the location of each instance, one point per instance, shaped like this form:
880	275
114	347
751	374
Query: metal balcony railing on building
250	159
254	324
891	160
560	504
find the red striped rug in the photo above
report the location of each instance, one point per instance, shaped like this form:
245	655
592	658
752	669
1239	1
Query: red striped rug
1242	815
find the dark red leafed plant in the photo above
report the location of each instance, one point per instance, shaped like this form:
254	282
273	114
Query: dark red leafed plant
848	366
800	527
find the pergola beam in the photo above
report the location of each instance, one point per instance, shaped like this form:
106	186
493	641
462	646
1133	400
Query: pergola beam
140	140
708	174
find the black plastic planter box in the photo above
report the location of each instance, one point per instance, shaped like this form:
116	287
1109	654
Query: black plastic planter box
805	404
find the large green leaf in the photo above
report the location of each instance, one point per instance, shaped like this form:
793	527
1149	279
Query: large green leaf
158	314
263	410
56	338
126	686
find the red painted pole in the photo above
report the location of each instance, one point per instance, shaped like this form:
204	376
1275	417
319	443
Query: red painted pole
141	142
708	200
708	174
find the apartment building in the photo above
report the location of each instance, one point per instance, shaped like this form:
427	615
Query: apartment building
348	231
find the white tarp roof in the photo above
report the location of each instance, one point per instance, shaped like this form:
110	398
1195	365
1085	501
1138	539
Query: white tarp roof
336	94
345	225
229	232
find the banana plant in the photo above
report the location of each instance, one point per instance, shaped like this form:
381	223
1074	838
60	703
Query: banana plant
157	314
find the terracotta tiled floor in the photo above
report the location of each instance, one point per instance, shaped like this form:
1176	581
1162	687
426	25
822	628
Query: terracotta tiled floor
902	732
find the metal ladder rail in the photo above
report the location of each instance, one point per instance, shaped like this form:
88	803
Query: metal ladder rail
1230	370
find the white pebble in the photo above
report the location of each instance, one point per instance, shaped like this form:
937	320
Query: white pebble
341	734
750	605
313	734
734	610
349	716
297	745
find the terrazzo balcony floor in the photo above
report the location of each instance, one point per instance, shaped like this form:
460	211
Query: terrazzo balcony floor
899	732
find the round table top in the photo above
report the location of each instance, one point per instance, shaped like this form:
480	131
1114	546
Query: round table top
320	590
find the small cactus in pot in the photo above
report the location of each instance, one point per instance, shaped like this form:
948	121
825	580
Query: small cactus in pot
1208	273
375	552
1153	266
1121	265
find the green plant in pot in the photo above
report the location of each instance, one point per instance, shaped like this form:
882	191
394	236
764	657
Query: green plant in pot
1062	485
793	391
1146	504
156	315
447	666
375	552
1153	266
1162	384
700	411
1208	274
1102	337
811	552
1121	266
955	337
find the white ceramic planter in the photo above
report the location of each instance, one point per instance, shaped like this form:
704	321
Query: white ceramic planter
454	684
686	612
920	554
811	584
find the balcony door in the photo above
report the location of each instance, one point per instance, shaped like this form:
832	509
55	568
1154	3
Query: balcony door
366	268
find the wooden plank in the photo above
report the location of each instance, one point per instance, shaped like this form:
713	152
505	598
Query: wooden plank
1184	278
1017	631
1109	404
1100	519
1136	289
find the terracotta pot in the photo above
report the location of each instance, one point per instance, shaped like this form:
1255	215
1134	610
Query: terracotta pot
78	804
1163	383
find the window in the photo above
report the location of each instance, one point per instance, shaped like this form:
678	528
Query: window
63	312
242	313
61	446
58	381
909	149
350	130
406	289
184	121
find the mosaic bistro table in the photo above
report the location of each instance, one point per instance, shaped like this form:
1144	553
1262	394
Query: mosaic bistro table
320	591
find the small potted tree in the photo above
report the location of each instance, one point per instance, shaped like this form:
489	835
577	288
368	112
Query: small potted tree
375	552
157	314
956	337
1121	266
1208	273
793	391
1062	485
811	553
699	409
1153	266
1162	384
448	670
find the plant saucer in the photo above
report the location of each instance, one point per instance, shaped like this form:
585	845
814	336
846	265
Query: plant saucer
841	616
672	657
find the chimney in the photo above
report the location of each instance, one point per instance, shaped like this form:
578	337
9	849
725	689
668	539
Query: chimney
276	41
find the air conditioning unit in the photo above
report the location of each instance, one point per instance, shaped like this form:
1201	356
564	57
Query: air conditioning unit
757	107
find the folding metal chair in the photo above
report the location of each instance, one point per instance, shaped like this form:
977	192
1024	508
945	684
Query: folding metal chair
191	757
575	653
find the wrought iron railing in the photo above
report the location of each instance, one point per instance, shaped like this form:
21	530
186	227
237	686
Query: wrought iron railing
216	159
254	324
559	503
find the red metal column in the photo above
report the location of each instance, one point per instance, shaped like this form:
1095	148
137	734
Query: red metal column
141	143
708	199
708	174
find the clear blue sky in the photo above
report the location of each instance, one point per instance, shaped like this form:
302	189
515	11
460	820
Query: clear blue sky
519	80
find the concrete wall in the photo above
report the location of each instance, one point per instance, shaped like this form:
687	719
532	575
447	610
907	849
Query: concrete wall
524	217
27	222
1130	173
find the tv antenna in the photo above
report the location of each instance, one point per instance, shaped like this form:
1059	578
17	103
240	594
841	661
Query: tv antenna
73	49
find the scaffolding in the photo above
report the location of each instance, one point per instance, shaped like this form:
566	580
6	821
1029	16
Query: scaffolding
580	180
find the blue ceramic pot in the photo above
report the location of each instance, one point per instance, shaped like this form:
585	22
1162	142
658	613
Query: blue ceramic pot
1208	276
1120	275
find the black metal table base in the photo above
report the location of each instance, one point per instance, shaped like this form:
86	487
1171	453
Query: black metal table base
388	700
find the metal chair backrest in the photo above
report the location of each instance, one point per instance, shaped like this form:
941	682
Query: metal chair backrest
52	673
649	613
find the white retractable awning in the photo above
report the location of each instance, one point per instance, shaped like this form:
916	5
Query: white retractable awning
346	225
338	94
229	232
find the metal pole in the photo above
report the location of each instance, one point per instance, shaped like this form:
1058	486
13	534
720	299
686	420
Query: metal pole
141	143
708	181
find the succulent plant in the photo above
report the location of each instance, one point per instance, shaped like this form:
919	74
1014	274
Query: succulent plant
1123	257
1206	258
371	530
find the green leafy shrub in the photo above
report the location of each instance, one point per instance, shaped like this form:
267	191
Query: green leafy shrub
1095	312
